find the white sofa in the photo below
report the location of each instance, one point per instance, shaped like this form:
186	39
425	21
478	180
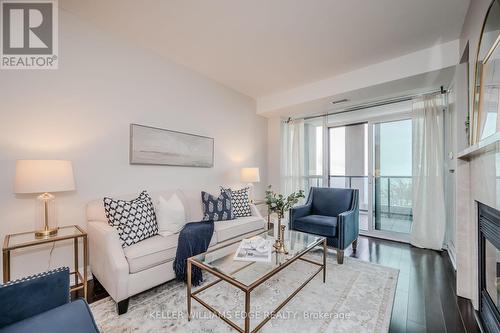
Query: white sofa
124	272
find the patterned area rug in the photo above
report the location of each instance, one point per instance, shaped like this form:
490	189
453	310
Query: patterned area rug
357	297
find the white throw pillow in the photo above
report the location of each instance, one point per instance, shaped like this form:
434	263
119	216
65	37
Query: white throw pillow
170	214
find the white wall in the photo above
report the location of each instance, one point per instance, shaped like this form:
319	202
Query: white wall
82	111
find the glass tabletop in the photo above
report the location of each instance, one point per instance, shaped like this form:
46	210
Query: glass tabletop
28	238
249	272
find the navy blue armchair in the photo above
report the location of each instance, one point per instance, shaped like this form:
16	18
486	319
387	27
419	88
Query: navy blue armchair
41	304
332	213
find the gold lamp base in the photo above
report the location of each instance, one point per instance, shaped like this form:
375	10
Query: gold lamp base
46	233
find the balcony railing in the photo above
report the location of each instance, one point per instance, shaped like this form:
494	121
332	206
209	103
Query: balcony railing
393	194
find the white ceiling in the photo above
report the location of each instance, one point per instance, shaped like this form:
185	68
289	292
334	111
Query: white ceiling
413	85
259	47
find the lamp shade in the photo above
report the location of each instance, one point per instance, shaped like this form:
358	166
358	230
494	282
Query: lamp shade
40	176
250	175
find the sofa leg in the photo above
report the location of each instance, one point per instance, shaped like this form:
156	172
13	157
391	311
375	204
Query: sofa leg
122	306
340	256
355	245
97	285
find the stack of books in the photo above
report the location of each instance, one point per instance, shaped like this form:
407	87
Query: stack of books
254	249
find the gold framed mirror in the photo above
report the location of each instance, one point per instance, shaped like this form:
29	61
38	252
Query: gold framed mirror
486	100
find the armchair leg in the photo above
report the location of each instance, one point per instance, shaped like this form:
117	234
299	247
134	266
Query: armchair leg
340	256
355	245
122	306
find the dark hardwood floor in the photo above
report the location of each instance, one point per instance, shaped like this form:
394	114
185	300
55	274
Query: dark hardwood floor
425	298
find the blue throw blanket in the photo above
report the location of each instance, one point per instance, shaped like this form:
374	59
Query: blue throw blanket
194	239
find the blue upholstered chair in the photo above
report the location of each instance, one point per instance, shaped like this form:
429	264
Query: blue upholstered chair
41	304
332	213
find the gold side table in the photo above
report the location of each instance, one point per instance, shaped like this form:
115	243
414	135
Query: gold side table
28	239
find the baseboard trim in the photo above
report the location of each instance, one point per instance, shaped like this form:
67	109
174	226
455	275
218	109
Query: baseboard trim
469	316
451	253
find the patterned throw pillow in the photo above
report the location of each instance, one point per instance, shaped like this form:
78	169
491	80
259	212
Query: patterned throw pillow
240	199
134	219
217	208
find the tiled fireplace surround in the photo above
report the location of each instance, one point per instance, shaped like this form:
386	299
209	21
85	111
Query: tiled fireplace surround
478	180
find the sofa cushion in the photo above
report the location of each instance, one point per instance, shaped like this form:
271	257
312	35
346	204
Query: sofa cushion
154	251
170	214
217	208
151	252
135	220
240	199
192	204
229	229
189	197
317	224
74	317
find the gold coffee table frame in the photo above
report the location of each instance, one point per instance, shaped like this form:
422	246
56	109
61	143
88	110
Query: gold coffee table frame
247	289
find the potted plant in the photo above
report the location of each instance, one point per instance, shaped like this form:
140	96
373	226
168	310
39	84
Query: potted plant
279	204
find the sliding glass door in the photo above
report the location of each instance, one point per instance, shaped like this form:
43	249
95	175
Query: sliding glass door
375	158
392	181
348	163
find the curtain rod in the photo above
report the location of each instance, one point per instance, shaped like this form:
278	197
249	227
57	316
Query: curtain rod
374	104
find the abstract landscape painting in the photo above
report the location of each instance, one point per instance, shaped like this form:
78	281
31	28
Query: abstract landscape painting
150	145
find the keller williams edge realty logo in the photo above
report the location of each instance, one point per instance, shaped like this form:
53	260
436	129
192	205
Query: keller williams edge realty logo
28	34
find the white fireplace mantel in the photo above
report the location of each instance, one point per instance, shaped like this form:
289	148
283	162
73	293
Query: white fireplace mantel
491	143
478	175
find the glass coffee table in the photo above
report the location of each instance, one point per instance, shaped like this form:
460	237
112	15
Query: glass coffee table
248	275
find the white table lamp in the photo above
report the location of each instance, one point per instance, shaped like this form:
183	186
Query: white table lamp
250	176
44	176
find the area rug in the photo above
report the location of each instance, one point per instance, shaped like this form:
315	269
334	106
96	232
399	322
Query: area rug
357	297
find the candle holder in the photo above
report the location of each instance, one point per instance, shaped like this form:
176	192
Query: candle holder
279	244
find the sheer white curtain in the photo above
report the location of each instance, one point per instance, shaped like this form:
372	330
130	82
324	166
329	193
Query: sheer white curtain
292	159
429	223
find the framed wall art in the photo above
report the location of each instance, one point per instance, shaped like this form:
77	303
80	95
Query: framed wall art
157	146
